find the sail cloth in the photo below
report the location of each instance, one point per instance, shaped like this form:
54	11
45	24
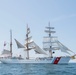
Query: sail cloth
39	50
30	43
64	48
19	45
36	48
6	51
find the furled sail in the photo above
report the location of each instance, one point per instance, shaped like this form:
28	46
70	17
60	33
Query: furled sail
19	45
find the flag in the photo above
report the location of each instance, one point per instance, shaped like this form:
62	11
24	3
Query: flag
4	43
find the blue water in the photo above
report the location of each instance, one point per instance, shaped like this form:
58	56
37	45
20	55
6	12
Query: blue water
37	69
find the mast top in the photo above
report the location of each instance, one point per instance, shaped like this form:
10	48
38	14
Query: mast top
49	30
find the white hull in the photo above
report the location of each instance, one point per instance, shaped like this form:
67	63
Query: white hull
72	61
54	60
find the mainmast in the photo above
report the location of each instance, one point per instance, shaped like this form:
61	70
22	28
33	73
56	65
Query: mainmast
11	42
48	40
51	43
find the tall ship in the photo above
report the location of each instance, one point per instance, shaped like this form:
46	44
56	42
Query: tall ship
50	45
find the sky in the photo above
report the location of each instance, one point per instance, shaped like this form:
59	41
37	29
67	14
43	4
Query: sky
16	14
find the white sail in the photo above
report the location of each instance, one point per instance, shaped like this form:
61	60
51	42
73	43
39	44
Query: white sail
64	48
5	51
50	41
35	47
30	43
39	50
19	45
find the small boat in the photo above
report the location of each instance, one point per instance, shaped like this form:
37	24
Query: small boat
50	45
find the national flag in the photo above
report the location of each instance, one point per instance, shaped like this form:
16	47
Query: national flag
4	43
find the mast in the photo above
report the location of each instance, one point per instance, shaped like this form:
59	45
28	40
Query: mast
51	43
11	42
28	41
29	44
48	40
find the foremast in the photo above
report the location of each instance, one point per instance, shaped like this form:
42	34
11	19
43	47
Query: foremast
28	41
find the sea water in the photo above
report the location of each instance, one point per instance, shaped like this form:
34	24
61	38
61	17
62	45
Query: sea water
37	69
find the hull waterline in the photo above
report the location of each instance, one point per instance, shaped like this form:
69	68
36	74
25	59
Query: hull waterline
54	60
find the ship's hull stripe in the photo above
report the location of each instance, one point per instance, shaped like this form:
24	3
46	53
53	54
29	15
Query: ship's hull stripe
57	60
